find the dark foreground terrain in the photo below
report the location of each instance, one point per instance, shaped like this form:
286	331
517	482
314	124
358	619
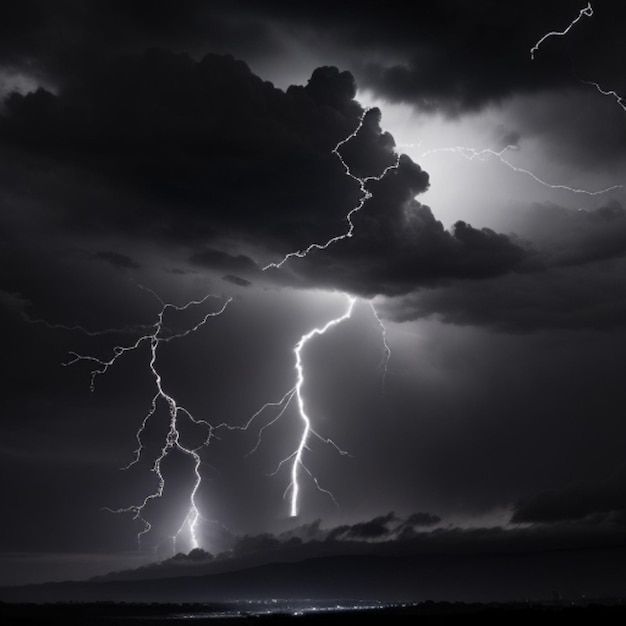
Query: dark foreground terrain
427	613
468	578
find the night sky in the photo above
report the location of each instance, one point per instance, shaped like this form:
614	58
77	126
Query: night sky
156	154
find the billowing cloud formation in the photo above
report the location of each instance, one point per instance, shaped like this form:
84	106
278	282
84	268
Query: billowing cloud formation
567	237
572	280
455	56
562	537
400	246
206	155
189	150
459	56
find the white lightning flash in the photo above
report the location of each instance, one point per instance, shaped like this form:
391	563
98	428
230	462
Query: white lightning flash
365	196
585	12
472	154
172	441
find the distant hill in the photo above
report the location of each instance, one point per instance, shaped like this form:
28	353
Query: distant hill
440	577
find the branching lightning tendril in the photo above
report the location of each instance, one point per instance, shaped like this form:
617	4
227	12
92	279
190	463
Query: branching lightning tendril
585	12
482	155
607	92
296	457
365	196
155	335
172	442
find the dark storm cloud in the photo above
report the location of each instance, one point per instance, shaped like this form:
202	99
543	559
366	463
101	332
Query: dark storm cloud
457	56
567	237
422	519
178	151
556	299
237	280
30	39
380	528
399	245
375	529
384	528
580	500
572	279
451	56
442	543
117	259
217	259
166	147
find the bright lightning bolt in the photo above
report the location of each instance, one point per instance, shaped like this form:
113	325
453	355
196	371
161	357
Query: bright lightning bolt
172	440
297	457
482	155
585	12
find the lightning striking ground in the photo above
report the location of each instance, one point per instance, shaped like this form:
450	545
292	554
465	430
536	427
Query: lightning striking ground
307	430
172	442
585	12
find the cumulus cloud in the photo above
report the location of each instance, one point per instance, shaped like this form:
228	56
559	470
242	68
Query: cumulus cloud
462	56
168	148
571	278
565	237
207	156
